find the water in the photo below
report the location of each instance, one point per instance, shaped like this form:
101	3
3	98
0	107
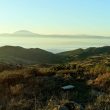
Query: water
54	44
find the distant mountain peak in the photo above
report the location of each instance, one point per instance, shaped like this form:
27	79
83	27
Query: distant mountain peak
24	32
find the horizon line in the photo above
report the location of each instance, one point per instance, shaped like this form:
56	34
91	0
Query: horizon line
15	32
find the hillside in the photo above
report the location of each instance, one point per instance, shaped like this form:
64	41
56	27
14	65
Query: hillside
72	53
40	88
19	55
80	54
24	33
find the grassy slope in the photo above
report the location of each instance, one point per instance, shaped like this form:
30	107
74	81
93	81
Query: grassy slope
85	53
18	88
27	56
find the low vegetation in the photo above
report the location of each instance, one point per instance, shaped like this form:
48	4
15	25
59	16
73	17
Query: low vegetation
38	87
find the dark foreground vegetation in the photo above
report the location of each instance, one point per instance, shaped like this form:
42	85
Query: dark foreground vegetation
38	87
27	86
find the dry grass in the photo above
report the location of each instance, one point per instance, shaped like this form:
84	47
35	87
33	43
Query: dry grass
102	81
21	87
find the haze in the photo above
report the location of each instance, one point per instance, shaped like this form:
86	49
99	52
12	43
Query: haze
59	17
56	16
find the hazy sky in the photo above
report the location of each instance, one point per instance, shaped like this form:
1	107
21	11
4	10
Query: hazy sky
56	16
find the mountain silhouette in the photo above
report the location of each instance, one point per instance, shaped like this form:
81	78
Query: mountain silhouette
12	54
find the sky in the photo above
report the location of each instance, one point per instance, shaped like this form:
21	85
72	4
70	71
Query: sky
90	17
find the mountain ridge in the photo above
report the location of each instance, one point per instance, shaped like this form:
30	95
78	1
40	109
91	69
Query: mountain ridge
17	54
29	33
24	32
20	55
86	53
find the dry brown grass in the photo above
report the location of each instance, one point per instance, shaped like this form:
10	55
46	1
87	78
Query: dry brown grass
103	80
19	87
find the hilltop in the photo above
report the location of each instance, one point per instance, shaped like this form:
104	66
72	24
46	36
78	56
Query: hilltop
19	55
24	33
82	54
38	86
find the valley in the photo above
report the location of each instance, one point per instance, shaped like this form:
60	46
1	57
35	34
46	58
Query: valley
36	85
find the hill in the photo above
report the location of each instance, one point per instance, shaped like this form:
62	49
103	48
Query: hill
80	54
72	53
19	55
24	33
20	33
40	88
